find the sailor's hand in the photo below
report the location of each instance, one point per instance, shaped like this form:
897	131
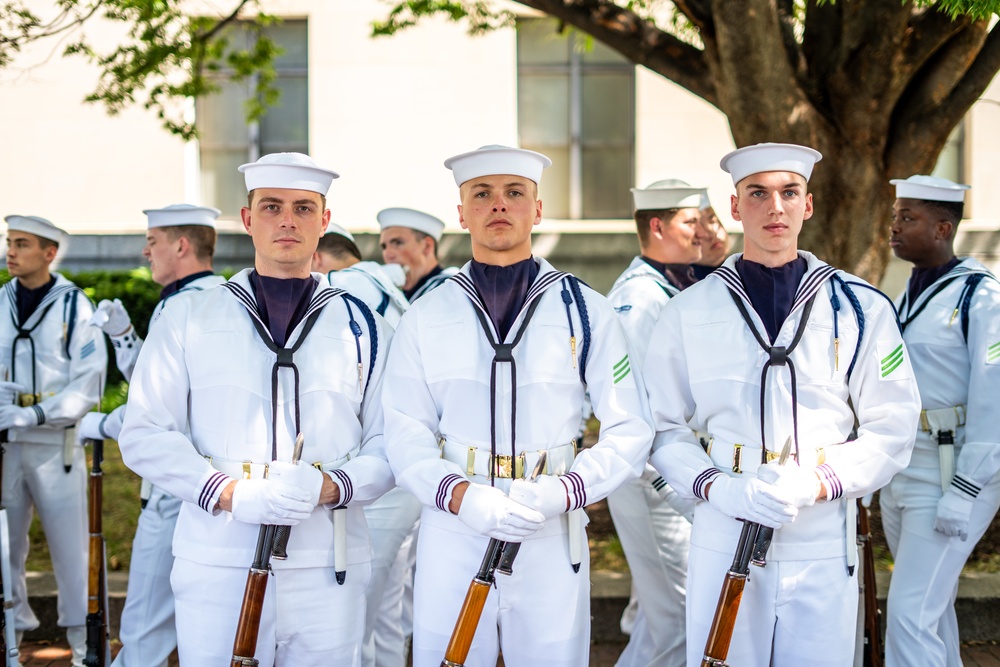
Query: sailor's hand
9	392
111	317
89	427
300	475
801	484
953	512
13	416
547	494
270	501
752	499
489	512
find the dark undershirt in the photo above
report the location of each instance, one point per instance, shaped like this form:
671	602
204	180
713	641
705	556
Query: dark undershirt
28	299
282	302
680	276
921	279
504	289
420	283
176	286
771	290
701	271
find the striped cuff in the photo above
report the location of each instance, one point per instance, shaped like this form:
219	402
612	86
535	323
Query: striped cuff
702	481
126	340
343	480
965	487
575	489
39	414
828	478
445	488
210	493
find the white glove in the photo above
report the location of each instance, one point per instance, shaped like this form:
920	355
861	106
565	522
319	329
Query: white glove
801	485
269	501
488	511
111	317
9	391
953	513
300	475
547	494
396	273
89	427
752	499
13	416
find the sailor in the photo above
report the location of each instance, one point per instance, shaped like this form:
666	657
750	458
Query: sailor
715	250
653	532
410	238
936	510
180	242
377	285
486	372
774	347
229	377
56	364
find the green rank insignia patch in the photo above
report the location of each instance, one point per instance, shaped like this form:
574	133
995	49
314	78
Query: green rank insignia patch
892	361
621	369
993	353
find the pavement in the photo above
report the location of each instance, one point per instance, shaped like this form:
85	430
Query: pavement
977	607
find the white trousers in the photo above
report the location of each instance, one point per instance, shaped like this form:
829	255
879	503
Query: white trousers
307	620
921	626
147	633
793	613
539	615
655	538
34	478
390	519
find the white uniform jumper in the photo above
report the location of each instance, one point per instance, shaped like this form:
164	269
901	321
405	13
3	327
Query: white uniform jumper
203	401
438	434
369	282
61	361
706	373
952	331
148	633
390	518
654	535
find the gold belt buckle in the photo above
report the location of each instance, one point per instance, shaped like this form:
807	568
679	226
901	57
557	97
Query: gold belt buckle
470	463
27	400
737	458
519	466
925	424
503	466
246	469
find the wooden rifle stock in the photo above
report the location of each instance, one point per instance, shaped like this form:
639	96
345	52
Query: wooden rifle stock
874	651
97	613
721	633
472	607
248	626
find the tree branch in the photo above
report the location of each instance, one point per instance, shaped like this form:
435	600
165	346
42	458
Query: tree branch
637	39
699	14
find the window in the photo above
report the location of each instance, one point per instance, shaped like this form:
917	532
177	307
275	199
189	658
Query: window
227	140
576	104
952	158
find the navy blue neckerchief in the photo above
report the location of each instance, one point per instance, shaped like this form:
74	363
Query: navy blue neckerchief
176	286
771	291
282	302
503	289
420	283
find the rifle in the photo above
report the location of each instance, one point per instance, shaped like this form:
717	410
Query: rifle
752	547
97	611
874	651
499	558
271	541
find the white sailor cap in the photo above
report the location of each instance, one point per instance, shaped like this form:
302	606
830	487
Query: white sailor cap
407	217
288	171
32	224
667	194
334	228
759	158
494	159
930	188
176	215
